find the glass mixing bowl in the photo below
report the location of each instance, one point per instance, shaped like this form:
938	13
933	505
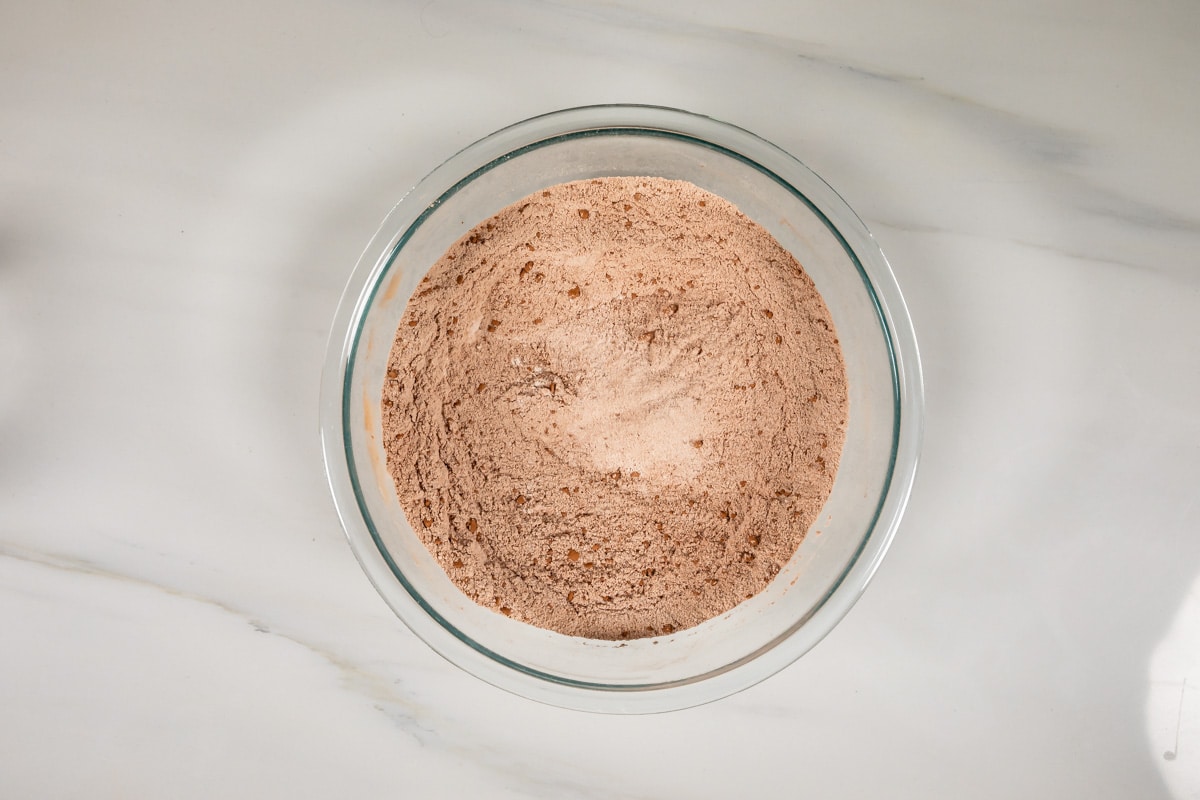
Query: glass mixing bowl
842	550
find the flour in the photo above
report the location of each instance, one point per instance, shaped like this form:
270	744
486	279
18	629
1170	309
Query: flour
614	409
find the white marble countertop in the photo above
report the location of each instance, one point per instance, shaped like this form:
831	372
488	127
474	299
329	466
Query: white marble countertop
183	193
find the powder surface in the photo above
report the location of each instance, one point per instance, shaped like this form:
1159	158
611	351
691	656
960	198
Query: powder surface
615	408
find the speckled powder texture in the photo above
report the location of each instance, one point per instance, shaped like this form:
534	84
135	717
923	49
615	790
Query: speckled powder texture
614	409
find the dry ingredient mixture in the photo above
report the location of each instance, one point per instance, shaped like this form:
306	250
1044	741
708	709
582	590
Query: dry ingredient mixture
613	409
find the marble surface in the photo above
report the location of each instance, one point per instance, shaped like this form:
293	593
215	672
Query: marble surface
183	191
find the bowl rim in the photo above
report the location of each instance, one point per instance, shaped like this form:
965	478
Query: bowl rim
367	278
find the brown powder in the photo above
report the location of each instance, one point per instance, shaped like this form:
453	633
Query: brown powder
614	409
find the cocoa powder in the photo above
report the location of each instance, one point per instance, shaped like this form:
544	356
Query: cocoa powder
614	409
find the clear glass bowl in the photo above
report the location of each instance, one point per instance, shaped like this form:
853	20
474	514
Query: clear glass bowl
842	551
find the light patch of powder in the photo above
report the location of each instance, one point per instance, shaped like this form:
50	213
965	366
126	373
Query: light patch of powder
614	409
